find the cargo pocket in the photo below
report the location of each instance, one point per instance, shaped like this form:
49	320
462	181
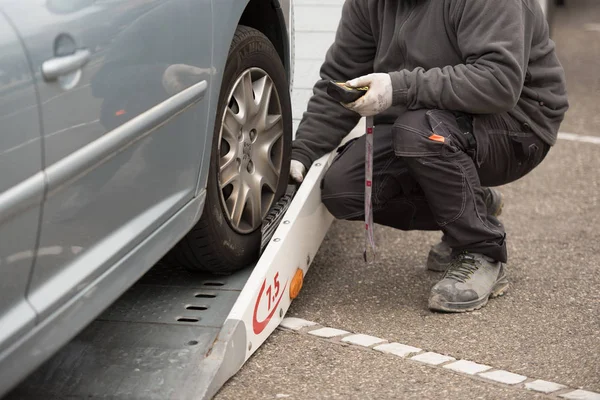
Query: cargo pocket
409	142
431	137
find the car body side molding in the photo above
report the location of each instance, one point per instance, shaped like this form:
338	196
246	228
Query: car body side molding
104	148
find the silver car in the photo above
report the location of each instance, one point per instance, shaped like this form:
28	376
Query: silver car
131	130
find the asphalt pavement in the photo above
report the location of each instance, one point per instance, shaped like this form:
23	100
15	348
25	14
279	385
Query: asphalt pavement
546	327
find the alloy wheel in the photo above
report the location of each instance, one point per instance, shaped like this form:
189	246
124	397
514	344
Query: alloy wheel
250	150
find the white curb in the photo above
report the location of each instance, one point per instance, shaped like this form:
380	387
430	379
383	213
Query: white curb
464	367
432	358
467	367
328	332
363	340
296	323
544	386
581	395
504	377
397	349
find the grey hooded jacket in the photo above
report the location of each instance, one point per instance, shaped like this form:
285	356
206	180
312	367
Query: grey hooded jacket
482	57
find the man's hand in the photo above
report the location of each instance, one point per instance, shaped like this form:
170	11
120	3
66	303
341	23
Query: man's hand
297	171
378	97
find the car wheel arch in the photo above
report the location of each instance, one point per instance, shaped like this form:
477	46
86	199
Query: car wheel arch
267	17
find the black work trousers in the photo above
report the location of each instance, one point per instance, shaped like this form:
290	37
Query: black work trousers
428	176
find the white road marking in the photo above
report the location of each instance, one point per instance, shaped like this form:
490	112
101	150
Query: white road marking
20	256
579	138
397	349
436	360
591	27
363	340
432	358
544	386
467	367
504	377
50	251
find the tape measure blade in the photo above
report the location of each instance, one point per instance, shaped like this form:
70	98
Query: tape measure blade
369	236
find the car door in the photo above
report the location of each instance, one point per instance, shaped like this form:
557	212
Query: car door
21	185
121	85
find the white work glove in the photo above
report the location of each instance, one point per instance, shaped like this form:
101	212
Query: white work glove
297	171
378	97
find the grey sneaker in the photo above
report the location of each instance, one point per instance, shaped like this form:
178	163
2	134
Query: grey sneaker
468	283
440	254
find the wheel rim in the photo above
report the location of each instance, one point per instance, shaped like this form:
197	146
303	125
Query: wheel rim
250	150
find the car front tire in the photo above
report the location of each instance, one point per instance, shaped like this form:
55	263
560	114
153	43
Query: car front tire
250	158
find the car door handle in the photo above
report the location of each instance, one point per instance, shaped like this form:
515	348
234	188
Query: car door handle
58	66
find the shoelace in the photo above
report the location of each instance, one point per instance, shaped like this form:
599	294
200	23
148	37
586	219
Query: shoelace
462	267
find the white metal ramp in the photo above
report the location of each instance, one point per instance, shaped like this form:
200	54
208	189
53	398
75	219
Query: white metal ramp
180	335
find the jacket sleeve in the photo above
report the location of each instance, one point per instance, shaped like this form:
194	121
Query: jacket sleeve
326	122
491	38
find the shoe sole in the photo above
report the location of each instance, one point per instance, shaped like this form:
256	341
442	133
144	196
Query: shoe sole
499	289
